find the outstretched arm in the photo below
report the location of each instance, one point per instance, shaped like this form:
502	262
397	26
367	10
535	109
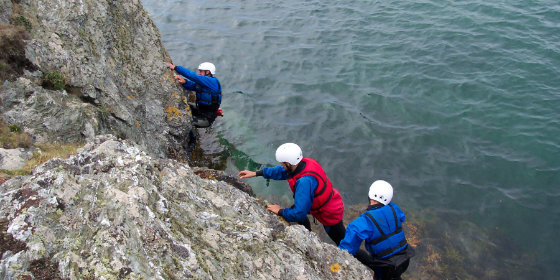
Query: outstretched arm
303	200
246	174
188	85
274	173
209	83
356	232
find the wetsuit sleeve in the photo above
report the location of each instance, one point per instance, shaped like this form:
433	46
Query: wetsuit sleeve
303	200
209	83
189	85
274	173
356	232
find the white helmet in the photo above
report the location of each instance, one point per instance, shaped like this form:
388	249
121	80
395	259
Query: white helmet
381	191
207	66
290	153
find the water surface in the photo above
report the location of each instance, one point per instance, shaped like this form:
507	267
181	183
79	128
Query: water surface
456	104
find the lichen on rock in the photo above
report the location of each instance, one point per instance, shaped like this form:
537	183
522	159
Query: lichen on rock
127	209
113	210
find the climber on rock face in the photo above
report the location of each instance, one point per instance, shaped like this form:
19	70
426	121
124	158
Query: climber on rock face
312	189
208	92
381	228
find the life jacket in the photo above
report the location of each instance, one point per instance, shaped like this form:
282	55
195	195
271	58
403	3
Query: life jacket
209	98
391	242
327	205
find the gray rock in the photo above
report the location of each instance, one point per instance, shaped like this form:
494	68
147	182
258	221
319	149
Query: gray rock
5	11
121	209
13	159
50	116
219	175
113	212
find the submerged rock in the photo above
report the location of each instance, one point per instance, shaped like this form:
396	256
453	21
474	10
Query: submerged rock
113	212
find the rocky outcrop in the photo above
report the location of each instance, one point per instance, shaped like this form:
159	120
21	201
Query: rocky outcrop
110	74
113	212
122	209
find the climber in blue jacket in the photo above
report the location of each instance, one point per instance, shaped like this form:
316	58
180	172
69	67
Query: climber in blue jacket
312	189
381	228
208	92
303	196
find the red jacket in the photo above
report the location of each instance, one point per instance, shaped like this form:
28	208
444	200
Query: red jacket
327	206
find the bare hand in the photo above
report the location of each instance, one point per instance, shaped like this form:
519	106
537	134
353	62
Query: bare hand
180	79
246	174
274	208
171	66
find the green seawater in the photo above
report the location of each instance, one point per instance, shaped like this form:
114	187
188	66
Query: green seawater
455	103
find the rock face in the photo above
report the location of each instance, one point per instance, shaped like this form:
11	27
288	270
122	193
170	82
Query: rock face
113	212
112	65
12	159
122	209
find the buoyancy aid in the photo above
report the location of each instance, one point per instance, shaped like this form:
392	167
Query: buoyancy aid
209	98
390	241
327	205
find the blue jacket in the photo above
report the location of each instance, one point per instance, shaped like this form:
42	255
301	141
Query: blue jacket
303	196
382	240
208	89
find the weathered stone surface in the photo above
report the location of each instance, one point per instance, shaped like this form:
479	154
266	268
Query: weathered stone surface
219	175
113	212
121	209
50	116
5	11
12	159
114	65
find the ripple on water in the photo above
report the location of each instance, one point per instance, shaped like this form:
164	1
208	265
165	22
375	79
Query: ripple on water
455	103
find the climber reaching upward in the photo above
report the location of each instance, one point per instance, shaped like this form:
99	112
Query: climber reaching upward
208	92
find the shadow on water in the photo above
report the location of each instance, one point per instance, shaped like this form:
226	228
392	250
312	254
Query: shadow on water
212	150
446	248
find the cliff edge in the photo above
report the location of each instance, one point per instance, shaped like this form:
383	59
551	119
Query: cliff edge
114	212
94	72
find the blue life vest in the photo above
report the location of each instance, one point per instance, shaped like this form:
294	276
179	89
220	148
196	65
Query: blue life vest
390	242
209	98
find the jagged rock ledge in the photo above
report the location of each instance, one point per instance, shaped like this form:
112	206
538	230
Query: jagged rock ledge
114	212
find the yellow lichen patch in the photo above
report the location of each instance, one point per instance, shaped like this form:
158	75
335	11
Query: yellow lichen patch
176	95
169	77
206	175
188	108
173	112
335	268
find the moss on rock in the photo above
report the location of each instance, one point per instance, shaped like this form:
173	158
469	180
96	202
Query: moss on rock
54	80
